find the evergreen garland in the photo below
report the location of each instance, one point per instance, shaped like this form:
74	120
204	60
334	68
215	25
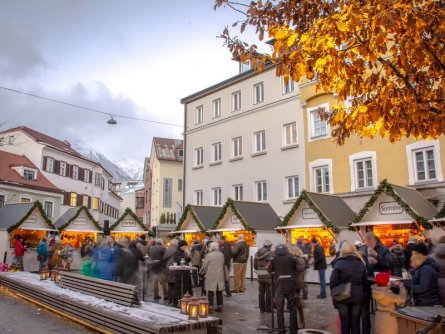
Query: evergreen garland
189	208
231	204
39	206
129	212
441	213
387	188
90	217
305	197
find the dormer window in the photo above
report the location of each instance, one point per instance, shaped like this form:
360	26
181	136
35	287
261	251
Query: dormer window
180	154
29	174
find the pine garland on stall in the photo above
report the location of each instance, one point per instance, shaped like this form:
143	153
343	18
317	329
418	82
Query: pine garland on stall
39	206
188	209
305	197
128	212
231	204
90	217
387	188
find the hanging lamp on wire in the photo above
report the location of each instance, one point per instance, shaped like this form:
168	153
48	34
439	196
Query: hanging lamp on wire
111	121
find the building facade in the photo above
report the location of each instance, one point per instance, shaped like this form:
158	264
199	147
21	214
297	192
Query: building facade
166	168
84	182
244	139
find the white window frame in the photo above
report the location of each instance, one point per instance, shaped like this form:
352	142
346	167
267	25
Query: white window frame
292	189
199	114
259	141
198	197
51	214
287	88
260	191
31	172
362	156
216	108
237	147
216	196
199	157
25	197
412	168
258	92
216	152
317	164
75	172
62	168
238	192
50	164
312	116
86	175
236	100
291	130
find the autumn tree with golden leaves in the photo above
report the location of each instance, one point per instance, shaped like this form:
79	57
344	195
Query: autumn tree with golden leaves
388	55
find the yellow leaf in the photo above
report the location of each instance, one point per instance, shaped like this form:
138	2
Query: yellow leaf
342	26
303	38
291	39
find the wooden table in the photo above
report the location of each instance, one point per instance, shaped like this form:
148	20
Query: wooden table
182	268
414	318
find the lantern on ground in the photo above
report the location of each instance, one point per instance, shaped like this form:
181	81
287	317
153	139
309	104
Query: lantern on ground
183	303
55	275
193	307
203	307
44	275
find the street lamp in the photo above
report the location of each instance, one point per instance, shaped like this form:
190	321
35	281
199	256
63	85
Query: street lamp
111	121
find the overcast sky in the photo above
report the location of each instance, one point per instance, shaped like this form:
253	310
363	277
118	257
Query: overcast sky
127	57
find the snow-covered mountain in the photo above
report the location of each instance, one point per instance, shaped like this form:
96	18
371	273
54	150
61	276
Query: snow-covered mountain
123	170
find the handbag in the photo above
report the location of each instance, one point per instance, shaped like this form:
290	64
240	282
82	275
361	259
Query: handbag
341	291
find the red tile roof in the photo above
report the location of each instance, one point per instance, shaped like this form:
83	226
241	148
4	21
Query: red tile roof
167	148
11	177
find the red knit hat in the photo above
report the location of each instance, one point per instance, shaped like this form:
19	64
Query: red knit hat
382	278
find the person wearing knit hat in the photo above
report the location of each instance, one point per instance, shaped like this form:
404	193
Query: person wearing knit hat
386	301
424	283
182	243
183	279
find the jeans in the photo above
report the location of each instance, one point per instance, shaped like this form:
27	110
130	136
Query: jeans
264	296
350	317
291	298
322	278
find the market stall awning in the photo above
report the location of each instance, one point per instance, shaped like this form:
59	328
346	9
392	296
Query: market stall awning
127	231
290	227
29	228
185	231
226	230
392	222
437	220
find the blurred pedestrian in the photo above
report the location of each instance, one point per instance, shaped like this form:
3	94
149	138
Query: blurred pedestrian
42	254
320	265
302	265
127	263
398	260
157	268
439	257
103	261
19	251
86	254
261	260
67	256
195	253
169	260
240	257
226	249
183	281
213	269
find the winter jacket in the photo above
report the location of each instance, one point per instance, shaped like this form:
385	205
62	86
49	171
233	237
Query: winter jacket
195	252
213	267
127	266
19	248
157	253
398	261
226	249
42	250
168	259
349	268
439	257
283	265
386	301
319	258
301	270
261	260
240	252
407	252
424	284
384	260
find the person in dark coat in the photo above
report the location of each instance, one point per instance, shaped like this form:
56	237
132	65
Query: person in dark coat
226	249
439	257
377	259
407	252
398	261
183	280
349	267
157	269
168	259
261	260
284	268
240	257
127	263
424	284
195	253
320	265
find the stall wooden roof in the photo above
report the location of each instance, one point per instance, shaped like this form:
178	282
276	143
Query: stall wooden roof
204	216
412	202
330	209
14	215
128	213
70	216
254	216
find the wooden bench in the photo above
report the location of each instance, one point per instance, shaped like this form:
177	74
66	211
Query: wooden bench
119	293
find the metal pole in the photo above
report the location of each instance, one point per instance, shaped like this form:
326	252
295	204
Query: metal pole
251	268
4	256
272	292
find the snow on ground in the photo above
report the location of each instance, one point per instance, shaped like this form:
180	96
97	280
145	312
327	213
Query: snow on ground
152	312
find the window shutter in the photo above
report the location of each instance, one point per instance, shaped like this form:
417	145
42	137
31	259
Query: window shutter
79	200
44	163
91	176
56	167
80	173
66	198
89	202
69	170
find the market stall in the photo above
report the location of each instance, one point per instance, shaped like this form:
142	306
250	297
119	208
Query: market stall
195	221
76	227
438	223
395	214
255	220
29	221
320	216
128	226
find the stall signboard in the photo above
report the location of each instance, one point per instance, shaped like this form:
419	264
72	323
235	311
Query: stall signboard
34	221
386	209
81	224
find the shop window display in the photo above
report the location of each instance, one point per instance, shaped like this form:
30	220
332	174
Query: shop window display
399	233
231	237
76	239
322	234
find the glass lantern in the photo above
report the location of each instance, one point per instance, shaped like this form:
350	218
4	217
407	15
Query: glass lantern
184	302
193	307
203	306
44	275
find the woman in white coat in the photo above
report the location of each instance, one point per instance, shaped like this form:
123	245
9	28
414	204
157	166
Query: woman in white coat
213	269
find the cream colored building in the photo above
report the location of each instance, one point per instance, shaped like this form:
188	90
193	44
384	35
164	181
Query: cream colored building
166	160
244	139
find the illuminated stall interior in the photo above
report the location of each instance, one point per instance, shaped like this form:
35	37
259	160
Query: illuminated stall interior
316	215
246	218
30	237
395	214
128	226
195	220
76	226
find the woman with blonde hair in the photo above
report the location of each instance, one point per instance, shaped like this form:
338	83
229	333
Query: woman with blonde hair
299	278
349	267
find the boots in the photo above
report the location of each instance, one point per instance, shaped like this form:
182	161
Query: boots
301	316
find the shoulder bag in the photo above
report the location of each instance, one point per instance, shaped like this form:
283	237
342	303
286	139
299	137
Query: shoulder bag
341	291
